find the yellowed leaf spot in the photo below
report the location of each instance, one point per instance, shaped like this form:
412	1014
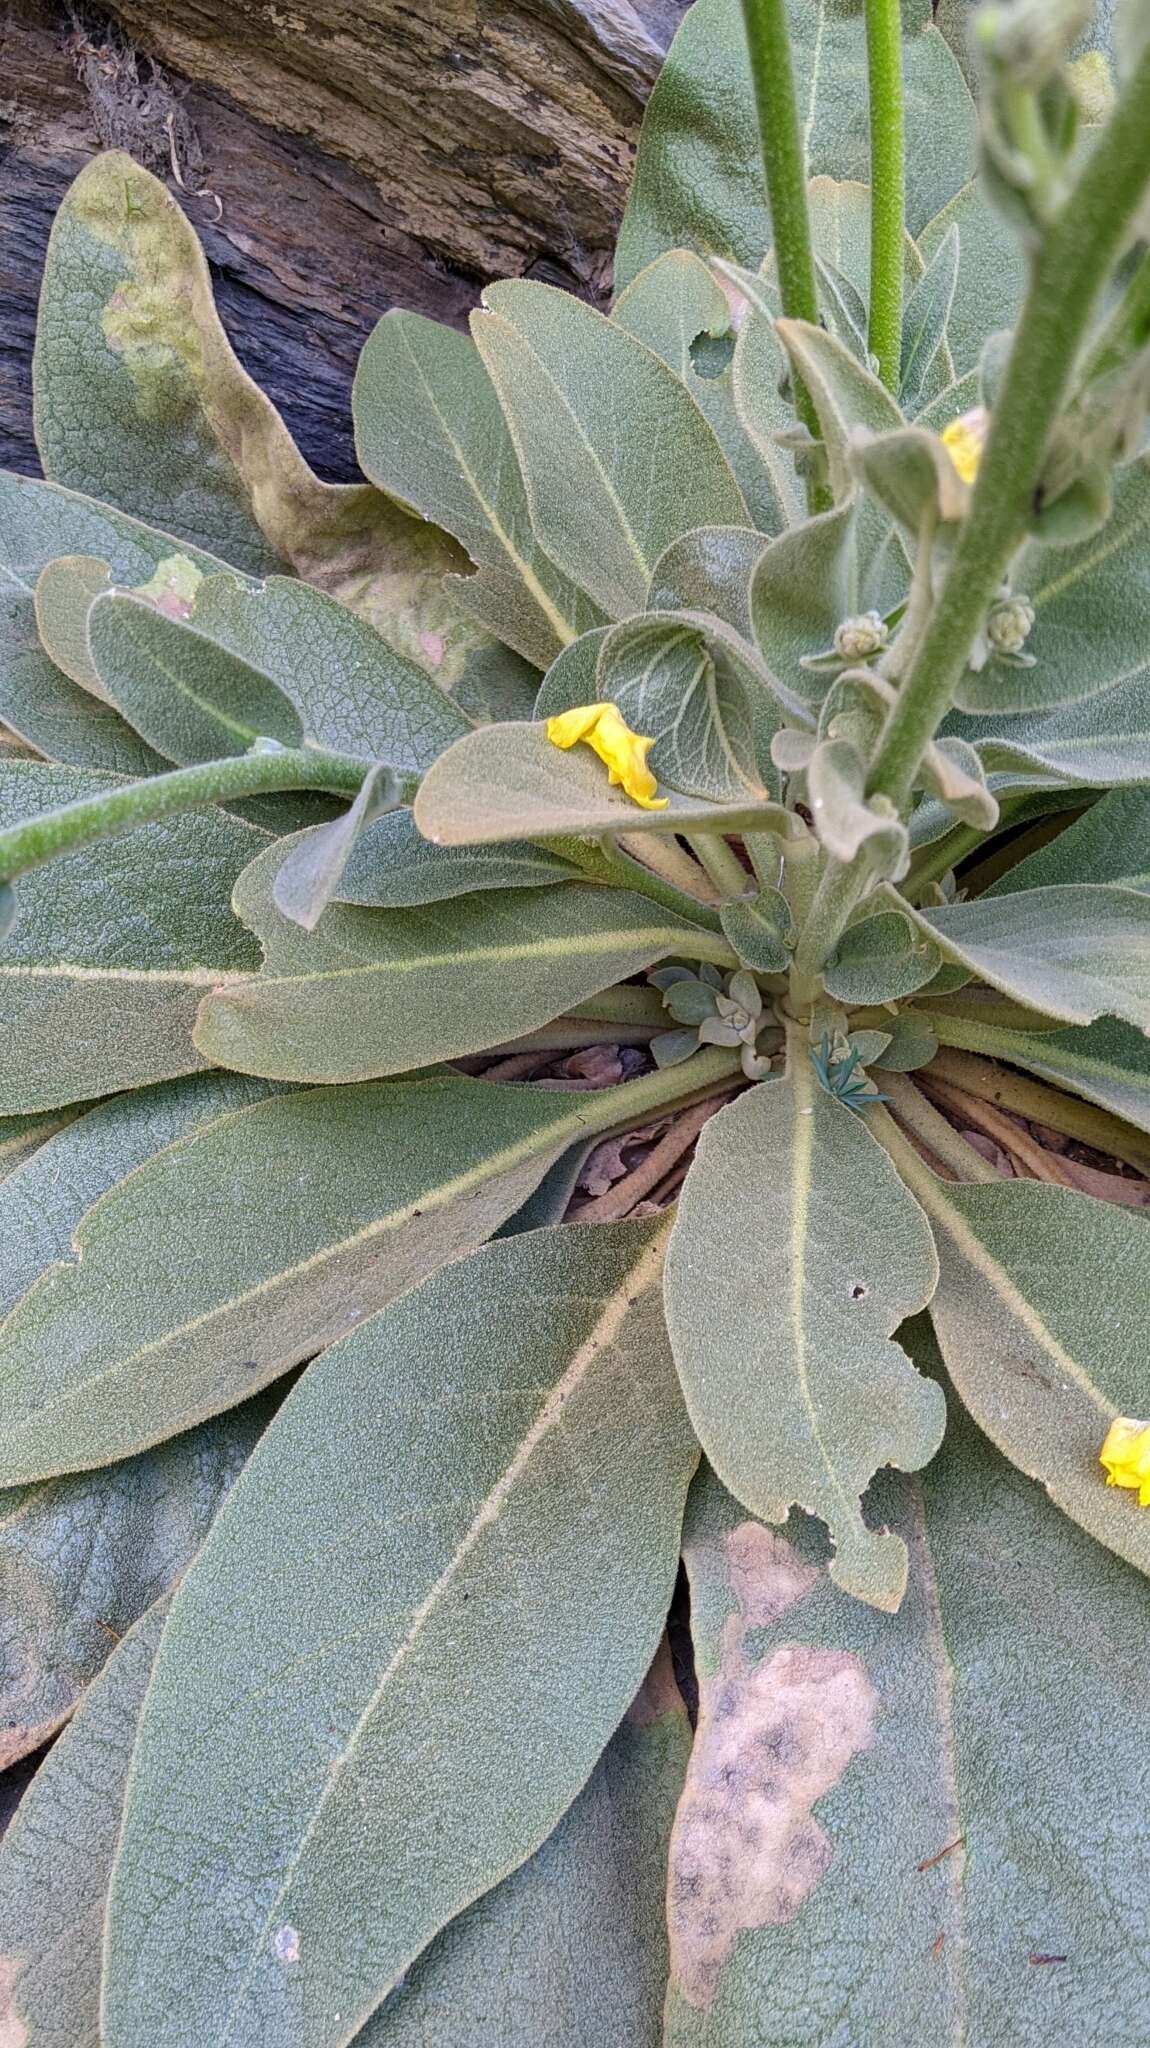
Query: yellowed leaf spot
772	1740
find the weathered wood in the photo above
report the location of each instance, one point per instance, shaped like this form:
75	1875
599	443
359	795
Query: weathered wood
337	157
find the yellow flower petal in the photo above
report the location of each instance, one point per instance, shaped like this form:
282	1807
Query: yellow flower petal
572	726
623	752
1126	1456
964	441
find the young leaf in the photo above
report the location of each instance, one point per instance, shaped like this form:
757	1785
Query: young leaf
1076	953
82	1558
328	1204
605	505
1043	1361
845	394
796	1252
419	1544
573	1946
393	867
111	950
803	586
924	321
56	1857
909	473
380	992
506	780
429	430
879	959
709	570
970	1763
699	177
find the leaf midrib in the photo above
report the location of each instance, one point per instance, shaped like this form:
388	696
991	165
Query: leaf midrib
551	1415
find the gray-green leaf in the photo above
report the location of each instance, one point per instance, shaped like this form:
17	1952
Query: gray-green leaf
461	1512
796	1252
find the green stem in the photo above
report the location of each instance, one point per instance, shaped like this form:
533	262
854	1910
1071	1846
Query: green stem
100	817
937	859
841	887
887	186
784	166
634	1100
1042	1104
1076	256
661	852
928	1124
725	869
602	862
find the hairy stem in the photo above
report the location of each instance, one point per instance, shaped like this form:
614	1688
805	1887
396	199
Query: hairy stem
723	866
930	1126
184	789
1042	1104
662	853
887	186
1077	254
784	166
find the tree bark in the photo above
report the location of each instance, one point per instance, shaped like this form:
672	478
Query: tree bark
337	157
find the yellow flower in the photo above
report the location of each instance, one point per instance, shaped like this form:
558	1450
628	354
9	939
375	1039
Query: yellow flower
964	441
625	754
1126	1456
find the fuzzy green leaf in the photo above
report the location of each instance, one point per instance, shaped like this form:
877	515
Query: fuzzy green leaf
925	321
699	178
81	1558
326	1204
709	570
393	867
605	505
352	692
991	273
114	945
803	585
507	780
572	1947
1075	952
380	992
796	1252
974	1764
182	692
669	307
1043	1361
429	430
1092	614
56	1858
845	394
443	1506
879	959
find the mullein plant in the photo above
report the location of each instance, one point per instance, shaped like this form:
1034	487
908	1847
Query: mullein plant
755	675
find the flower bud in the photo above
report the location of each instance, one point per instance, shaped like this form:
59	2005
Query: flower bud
1009	624
858	637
